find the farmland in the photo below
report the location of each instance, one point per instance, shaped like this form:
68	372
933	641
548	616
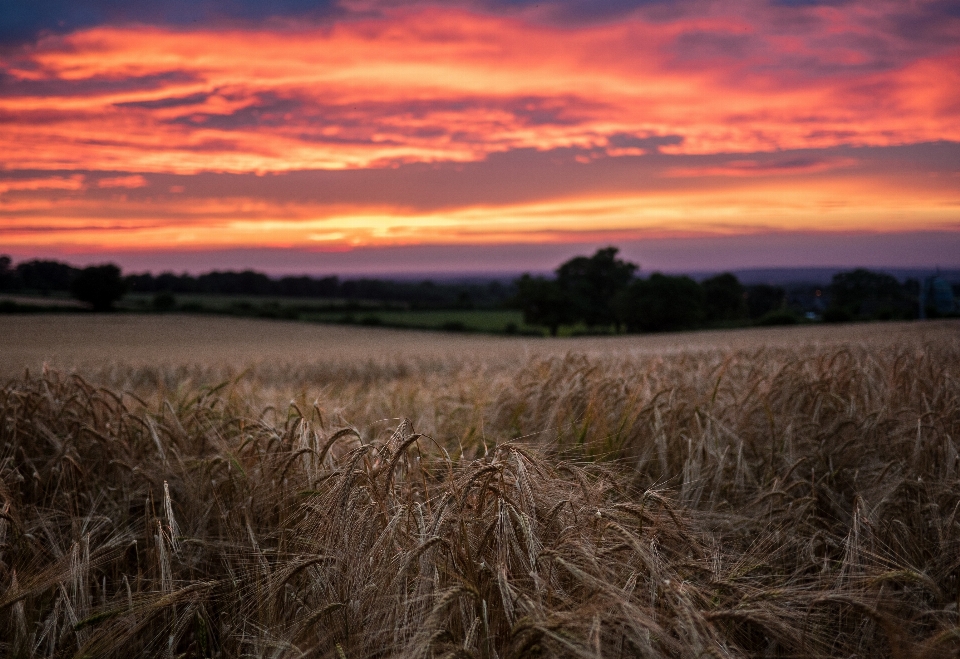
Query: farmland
212	486
330	311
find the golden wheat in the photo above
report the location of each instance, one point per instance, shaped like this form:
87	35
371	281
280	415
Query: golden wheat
753	500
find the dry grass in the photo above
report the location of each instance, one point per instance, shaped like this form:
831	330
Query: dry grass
86	342
793	496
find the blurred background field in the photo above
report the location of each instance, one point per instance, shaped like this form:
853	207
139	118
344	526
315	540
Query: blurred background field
93	341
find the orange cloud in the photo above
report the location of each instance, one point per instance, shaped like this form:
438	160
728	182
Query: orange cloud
435	86
74	182
842	205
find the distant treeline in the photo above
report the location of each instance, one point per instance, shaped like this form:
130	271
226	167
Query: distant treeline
44	277
599	293
40	276
422	294
603	292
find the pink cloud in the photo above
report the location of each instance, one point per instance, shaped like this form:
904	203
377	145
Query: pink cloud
434	84
776	167
132	181
73	182
734	117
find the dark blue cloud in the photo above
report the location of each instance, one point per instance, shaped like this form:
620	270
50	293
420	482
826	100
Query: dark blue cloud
651	143
929	22
13	86
701	45
580	11
22	21
947	7
172	102
883	42
809	3
264	109
358	120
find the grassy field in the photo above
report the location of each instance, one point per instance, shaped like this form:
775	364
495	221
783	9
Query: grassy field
52	300
339	311
469	320
207	486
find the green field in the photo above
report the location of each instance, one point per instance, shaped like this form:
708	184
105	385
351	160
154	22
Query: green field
345	312
495	321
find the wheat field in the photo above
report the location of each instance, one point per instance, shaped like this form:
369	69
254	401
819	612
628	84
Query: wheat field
189	487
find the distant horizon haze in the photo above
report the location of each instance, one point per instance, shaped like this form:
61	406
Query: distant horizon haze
904	251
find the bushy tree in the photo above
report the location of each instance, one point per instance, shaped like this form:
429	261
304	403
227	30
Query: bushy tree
590	285
763	299
862	293
7	274
583	291
100	286
46	276
723	298
543	303
661	303
247	282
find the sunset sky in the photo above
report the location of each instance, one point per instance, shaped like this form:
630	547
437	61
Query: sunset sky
382	137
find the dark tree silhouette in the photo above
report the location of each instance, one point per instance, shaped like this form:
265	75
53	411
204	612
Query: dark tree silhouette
7	274
861	293
45	276
100	286
583	290
543	303
723	298
661	303
763	298
590	285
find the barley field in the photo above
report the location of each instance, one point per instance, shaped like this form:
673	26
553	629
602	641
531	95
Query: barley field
212	487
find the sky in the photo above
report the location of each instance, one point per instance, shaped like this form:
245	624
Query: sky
369	136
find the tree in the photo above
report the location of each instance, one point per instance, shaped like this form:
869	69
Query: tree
99	286
764	298
861	293
661	303
584	290
7	275
46	276
542	302
723	298
590	285
247	282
